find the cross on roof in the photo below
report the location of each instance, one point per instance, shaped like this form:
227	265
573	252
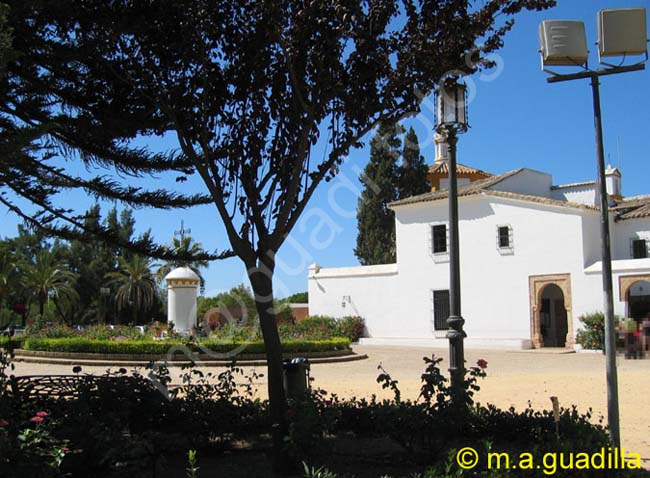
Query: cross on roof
182	231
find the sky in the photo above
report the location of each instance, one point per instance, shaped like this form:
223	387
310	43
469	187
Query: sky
517	120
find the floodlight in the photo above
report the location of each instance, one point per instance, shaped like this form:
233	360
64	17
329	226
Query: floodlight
622	31
563	43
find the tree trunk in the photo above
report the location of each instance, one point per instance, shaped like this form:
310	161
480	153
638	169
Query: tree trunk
262	283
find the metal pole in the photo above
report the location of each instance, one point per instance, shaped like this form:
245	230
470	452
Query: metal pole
610	337
455	321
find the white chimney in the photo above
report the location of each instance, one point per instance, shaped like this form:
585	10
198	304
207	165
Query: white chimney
613	181
442	148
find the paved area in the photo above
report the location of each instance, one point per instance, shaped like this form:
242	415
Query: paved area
514	378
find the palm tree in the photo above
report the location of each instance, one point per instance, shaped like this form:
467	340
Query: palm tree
135	285
184	246
48	278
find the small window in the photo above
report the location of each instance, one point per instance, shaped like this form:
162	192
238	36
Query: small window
639	249
440	309
439	235
504	237
505	243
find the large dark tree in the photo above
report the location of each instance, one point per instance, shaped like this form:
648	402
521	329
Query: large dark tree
376	223
413	170
246	88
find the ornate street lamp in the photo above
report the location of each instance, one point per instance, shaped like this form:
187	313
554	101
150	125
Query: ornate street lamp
451	120
621	33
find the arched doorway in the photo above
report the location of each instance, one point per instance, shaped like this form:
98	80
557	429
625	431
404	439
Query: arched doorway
638	300
553	317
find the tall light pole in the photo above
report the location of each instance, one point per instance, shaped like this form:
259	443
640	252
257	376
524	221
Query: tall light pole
452	120
621	32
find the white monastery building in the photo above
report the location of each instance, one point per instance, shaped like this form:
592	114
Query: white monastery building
530	262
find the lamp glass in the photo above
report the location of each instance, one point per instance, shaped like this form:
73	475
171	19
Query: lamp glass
451	107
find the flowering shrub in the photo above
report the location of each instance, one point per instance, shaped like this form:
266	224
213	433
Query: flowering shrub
323	327
29	448
51	331
352	327
312	328
592	333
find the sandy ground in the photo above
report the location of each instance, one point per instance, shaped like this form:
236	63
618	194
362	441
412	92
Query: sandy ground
514	379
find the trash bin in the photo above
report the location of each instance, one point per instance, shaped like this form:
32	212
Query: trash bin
296	377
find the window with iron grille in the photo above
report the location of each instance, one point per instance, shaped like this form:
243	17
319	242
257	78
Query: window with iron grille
439	238
639	249
505	241
440	309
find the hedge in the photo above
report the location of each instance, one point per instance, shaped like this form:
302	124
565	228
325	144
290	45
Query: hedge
14	342
82	345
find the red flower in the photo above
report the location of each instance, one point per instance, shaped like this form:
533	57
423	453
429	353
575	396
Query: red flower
482	363
4	423
37	419
42	414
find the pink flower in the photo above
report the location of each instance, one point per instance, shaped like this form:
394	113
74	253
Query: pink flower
42	414
37	419
482	363
4	423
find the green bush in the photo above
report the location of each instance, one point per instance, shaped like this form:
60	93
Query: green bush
592	334
83	345
298	298
236	333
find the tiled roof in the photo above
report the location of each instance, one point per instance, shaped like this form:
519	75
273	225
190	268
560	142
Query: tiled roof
442	167
467	189
633	208
483	187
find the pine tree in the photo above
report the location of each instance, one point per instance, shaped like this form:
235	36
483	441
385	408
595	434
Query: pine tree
376	223
413	171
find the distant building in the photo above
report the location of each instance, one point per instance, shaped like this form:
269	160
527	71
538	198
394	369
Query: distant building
530	262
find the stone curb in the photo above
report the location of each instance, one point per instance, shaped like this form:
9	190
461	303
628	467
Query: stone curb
63	358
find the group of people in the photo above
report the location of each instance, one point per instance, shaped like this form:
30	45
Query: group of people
636	335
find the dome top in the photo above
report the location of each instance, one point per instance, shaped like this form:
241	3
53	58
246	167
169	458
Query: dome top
182	273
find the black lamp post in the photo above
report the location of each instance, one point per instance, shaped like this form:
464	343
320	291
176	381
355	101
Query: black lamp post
451	121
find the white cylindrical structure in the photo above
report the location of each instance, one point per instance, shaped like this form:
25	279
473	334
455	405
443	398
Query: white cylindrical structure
181	298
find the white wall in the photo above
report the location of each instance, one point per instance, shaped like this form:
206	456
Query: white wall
372	291
624	232
585	194
396	300
527	181
181	307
